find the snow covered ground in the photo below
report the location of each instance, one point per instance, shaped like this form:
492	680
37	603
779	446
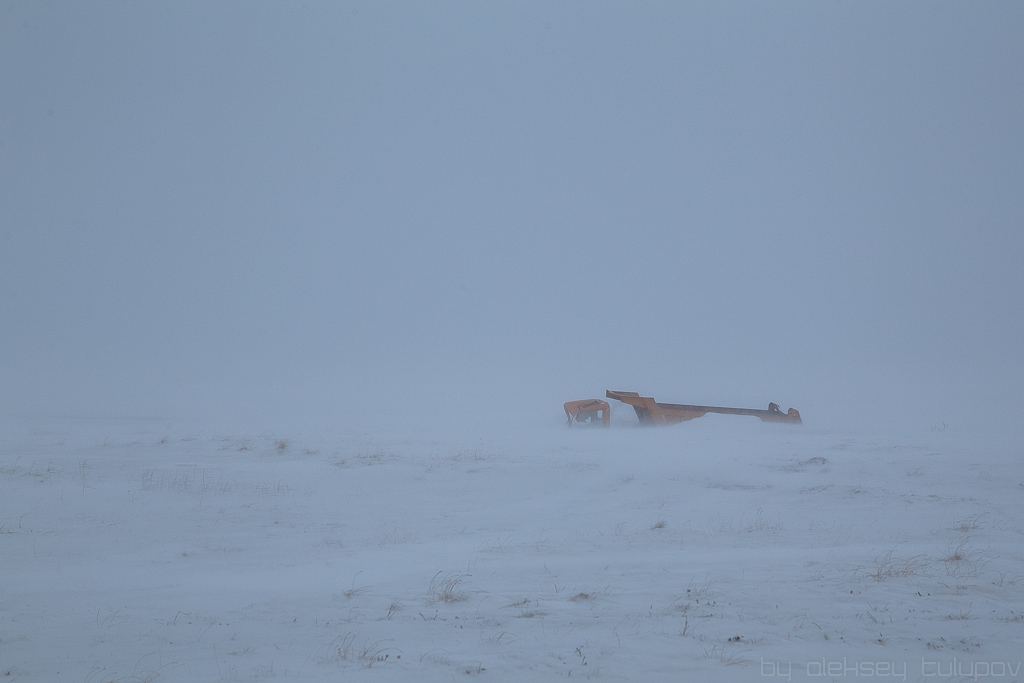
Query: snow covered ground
718	550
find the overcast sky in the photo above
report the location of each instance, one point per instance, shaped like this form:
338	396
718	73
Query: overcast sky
284	208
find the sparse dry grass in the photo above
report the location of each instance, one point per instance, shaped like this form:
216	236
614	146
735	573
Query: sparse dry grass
968	524
355	592
962	615
532	614
888	566
449	589
962	561
344	649
725	657
698	590
376	457
41	473
760	524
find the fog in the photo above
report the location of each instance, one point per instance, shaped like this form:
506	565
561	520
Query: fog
284	211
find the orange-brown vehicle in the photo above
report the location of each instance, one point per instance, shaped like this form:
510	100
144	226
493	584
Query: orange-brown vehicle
651	412
588	411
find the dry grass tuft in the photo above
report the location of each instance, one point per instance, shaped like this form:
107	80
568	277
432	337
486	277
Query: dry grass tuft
369	653
961	560
725	658
969	524
449	589
888	566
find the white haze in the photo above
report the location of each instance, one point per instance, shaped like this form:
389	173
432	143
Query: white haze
291	295
318	211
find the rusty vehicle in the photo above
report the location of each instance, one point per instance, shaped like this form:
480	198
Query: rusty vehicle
588	411
649	411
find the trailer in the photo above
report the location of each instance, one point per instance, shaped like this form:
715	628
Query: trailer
649	411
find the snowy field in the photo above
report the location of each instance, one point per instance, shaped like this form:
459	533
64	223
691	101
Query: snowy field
325	242
718	550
